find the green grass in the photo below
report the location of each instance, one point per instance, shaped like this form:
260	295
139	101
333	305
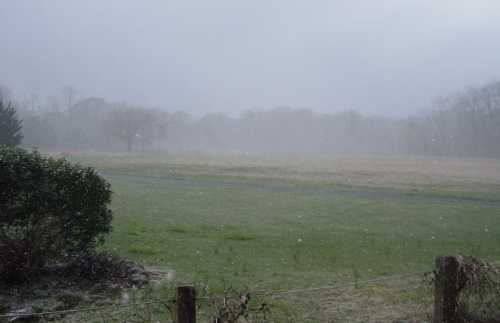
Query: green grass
276	233
212	232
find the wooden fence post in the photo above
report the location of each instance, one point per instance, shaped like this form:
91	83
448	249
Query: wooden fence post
186	304
446	290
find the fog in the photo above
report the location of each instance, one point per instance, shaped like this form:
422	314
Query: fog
387	57
255	77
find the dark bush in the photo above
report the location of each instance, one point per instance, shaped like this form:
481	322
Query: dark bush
103	266
50	210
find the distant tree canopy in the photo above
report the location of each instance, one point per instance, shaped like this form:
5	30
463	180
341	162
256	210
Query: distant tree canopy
465	124
130	125
38	132
10	125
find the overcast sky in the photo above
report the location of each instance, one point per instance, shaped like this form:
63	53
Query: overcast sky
384	56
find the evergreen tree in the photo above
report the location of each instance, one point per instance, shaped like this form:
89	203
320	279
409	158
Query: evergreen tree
10	125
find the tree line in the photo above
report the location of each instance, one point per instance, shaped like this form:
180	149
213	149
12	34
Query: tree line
462	124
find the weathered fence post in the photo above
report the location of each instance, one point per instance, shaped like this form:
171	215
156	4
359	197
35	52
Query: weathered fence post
446	290
186	304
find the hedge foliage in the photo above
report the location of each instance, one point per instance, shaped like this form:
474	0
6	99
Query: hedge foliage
50	209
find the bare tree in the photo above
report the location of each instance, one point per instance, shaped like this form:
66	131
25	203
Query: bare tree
68	94
130	125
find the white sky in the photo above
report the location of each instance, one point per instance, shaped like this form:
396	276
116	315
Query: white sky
387	56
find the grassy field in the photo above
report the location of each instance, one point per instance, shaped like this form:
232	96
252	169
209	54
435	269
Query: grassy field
264	224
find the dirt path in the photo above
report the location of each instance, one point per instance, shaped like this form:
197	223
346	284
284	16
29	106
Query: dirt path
382	195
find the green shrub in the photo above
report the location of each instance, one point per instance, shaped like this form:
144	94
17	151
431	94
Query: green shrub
50	209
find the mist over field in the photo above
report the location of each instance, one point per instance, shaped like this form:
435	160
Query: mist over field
464	124
266	77
250	161
387	57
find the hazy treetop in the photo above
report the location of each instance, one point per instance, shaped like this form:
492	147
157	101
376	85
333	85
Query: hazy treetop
386	56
